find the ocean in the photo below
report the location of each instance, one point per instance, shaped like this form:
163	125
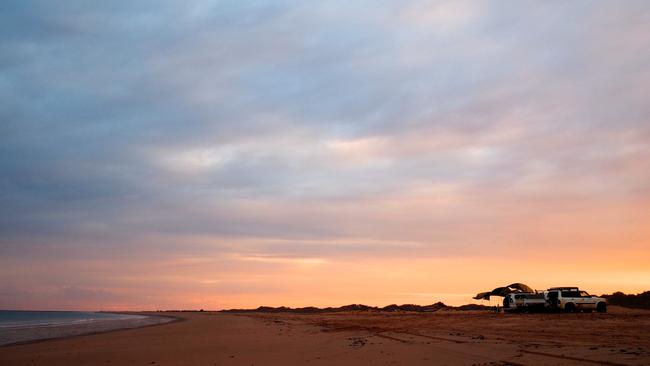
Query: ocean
23	326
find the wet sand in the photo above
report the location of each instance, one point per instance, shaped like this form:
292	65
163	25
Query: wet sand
359	338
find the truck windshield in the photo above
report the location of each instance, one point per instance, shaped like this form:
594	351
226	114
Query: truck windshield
584	294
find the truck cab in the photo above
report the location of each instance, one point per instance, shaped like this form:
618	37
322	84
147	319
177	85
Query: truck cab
571	299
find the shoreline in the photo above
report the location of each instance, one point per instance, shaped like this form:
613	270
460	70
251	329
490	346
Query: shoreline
172	319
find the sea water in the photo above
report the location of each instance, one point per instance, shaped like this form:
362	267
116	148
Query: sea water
24	319
23	326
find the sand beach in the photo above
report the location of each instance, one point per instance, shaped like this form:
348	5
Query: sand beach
358	338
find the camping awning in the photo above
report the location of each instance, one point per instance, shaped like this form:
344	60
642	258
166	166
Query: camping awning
503	291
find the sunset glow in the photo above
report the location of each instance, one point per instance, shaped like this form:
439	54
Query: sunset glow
232	154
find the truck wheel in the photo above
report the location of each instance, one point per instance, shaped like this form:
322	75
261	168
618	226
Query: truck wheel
569	308
601	307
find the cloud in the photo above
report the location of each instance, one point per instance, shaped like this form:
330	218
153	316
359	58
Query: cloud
327	132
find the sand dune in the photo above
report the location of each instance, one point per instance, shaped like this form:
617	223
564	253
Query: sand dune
360	307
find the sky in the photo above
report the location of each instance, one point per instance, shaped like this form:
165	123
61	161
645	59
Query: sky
223	154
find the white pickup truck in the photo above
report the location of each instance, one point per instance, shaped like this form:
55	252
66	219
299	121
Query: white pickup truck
571	299
520	297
